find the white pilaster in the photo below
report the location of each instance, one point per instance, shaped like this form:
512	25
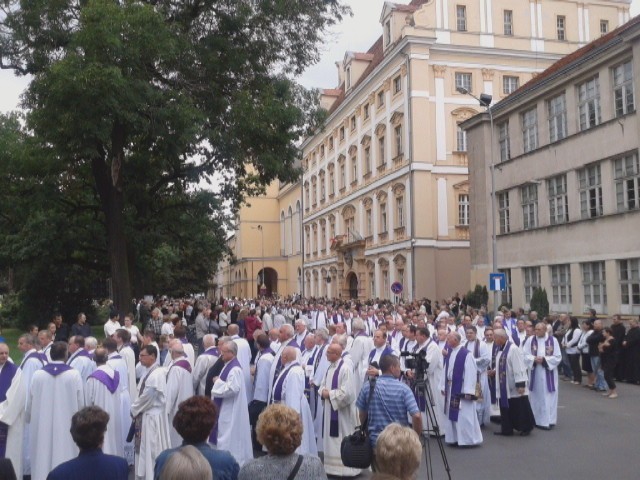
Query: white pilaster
439	22
587	33
483	16
580	23
540	30
407	207
391	206
443	208
441	135
378	277
445	14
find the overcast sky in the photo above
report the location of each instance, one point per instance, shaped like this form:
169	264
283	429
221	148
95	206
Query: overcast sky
355	33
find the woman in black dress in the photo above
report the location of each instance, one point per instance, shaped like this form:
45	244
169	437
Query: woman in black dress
609	357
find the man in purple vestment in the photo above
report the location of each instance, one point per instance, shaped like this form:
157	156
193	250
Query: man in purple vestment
7	372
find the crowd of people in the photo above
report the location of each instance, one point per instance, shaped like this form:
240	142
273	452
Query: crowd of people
258	388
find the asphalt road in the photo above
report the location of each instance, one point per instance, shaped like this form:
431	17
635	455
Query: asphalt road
596	438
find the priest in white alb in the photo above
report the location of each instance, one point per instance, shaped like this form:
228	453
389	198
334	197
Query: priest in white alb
56	394
360	348
79	358
244	357
179	386
482	356
101	390
123	339
204	362
340	417
232	432
433	357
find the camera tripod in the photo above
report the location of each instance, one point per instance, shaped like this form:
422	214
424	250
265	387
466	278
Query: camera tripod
422	389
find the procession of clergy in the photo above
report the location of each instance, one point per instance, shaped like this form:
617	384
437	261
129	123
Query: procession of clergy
474	372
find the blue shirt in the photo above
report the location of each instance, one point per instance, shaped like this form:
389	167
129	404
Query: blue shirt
223	465
390	402
101	466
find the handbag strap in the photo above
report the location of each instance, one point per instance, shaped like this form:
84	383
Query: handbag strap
372	386
296	467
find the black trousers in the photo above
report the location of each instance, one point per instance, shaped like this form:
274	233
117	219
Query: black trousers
574	361
255	409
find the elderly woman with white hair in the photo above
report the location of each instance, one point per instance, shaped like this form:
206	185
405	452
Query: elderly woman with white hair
398	453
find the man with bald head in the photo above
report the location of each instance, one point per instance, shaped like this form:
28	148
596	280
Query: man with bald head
204	362
287	339
458	385
289	389
79	358
179	386
45	341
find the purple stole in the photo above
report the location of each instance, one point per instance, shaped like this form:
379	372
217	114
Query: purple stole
456	383
115	357
334	426
276	396
184	341
80	353
213	352
387	351
213	437
182	363
307	385
35	355
551	385
106	380
513	330
6	375
315	367
55	369
292	343
492	380
502	375
335	319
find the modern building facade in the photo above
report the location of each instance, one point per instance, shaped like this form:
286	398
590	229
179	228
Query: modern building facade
567	181
386	194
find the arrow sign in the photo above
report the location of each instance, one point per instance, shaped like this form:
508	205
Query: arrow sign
497	282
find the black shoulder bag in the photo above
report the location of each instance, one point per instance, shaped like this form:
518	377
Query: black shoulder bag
355	449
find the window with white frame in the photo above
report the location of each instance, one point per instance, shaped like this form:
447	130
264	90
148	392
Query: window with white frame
332	228
510	84
352	122
385	282
365	111
503	140
529	198
558	202
557	107
323	236
400	211
463	209
397	136
530	129
367	159
397	84
354	169
332	183
348	77
372	284
604	27
561	285
461	139
331	142
383	218
343	175
594	286
507	15
589	103
314	191
380	98
531	281
590	181
503	212
630	282
461	18
381	152
561	24
627	179
507	293
341	134
322	189
368	216
306	195
464	80
387	32
623	89
321	150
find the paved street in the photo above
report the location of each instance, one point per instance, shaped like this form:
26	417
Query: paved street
596	438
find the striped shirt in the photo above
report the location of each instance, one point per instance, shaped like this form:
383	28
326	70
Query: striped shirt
390	402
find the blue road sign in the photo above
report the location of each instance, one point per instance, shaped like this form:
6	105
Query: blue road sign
497	282
396	288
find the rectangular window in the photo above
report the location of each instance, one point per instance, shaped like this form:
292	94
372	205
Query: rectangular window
314	194
594	286
372	284
385	283
461	139
558	203
508	22
627	179
604	27
348	77
463	209
463	81
306	196
503	212
461	18
529	196
321	150
381	98
381	152
369	220
354	169
367	160
630	282
353	122
503	139
383	218
590	191
343	176
332	183
331	145
341	133
561	285
623	89
510	84
507	294
589	103
557	107
397	84
397	134
531	281
560	27
322	189
387	32
365	111
400	211
530	130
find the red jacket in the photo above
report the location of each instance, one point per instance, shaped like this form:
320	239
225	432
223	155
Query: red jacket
251	324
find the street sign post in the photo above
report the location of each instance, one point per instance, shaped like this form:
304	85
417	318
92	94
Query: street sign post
396	288
497	282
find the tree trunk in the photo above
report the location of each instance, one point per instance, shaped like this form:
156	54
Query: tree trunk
109	186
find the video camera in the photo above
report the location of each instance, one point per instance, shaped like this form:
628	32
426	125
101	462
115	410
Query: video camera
417	362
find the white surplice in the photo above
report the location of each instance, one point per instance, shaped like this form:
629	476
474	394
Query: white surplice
466	430
129	357
434	376
293	396
322	365
85	365
543	402
96	393
179	388
244	357
261	377
234	431
203	363
52	401
154	437
483	405
120	366
360	349
342	398
12	413
276	358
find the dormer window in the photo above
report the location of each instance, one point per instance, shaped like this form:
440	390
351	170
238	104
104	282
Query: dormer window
387	33
348	77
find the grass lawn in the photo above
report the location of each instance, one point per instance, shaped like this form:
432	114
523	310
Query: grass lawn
11	338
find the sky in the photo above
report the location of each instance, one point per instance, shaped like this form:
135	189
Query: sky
356	33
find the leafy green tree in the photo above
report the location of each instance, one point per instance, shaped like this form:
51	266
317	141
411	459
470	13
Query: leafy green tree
133	105
539	302
477	297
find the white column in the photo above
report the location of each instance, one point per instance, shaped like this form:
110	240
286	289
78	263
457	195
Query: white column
445	13
487	87
483	16
408	212
580	23
439	22
375	212
540	30
408	276
391	207
327	233
443	208
587	33
490	16
378	277
532	18
441	137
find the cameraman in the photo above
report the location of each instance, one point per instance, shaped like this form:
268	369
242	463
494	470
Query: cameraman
391	401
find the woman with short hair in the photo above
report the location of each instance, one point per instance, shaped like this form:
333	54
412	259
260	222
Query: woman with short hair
398	453
186	463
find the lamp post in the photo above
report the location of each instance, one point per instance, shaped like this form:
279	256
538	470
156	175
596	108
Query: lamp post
263	287
485	101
